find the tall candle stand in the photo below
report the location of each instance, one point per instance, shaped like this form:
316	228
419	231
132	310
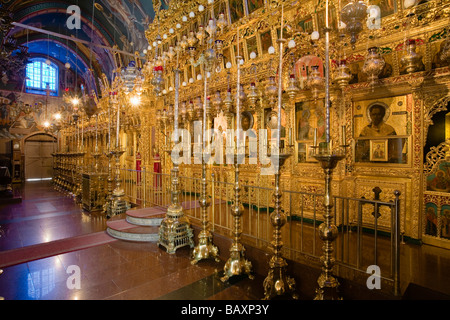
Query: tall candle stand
119	204
236	263
328	232
175	231
278	283
328	159
205	248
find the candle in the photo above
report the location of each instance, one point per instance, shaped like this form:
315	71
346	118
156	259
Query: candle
118	126
280	79
177	85
315	137
238	102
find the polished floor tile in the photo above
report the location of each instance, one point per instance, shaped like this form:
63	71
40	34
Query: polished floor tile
122	270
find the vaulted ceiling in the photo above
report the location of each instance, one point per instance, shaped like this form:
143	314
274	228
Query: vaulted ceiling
104	23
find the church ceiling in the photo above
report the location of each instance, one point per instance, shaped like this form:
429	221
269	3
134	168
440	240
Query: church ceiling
103	22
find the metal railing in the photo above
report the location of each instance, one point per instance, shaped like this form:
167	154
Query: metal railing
362	241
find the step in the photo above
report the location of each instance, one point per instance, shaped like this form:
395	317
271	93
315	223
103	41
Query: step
146	216
123	230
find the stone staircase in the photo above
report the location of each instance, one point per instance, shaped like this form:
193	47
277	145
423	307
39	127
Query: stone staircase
141	224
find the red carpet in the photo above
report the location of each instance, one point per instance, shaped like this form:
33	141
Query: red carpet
48	249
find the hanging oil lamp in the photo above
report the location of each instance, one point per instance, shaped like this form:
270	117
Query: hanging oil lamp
221	21
342	75
253	95
271	89
217	102
201	35
157	80
373	65
315	81
353	15
292	88
411	60
228	102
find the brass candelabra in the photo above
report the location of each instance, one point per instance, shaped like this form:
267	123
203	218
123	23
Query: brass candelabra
205	248
175	230
237	264
278	283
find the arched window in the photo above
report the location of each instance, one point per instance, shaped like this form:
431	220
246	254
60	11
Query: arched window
40	75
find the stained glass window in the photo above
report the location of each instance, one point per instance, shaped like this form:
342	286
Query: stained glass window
40	75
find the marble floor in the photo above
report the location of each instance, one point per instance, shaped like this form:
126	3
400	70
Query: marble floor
121	270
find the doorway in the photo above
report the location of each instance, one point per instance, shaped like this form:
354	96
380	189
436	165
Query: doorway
38	156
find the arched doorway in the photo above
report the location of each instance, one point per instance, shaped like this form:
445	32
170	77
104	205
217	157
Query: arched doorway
38	149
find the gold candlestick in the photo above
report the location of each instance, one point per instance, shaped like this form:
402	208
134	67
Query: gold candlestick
175	231
277	282
205	248
237	264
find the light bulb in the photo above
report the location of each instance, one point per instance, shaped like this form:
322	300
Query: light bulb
252	55
184	18
191	14
409	3
315	35
171	30
271	50
291	44
228	65
199	77
178	26
67	65
191	80
201	8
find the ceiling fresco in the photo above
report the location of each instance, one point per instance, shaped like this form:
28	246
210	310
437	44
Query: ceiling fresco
103	23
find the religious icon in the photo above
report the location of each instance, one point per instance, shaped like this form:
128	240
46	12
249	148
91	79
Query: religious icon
378	150
246	120
252	46
254	5
236	10
431	219
377	114
439	180
266	41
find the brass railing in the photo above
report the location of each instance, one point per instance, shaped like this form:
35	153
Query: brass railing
362	240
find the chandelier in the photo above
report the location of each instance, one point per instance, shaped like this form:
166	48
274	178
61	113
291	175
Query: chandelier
13	57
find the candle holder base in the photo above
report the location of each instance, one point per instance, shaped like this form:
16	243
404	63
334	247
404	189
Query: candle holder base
205	248
175	231
237	264
277	283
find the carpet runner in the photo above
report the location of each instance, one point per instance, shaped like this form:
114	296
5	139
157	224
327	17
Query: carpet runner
48	249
